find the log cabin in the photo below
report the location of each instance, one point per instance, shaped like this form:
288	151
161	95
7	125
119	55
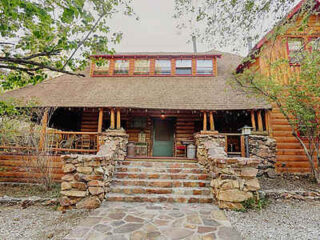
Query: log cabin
278	46
160	99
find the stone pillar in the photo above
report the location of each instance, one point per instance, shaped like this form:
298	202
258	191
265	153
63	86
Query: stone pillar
264	148
209	144
114	142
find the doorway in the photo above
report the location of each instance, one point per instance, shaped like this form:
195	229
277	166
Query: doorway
163	137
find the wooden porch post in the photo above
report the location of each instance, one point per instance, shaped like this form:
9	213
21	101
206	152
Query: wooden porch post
212	128
204	121
253	121
267	120
100	121
118	119
43	130
112	120
260	124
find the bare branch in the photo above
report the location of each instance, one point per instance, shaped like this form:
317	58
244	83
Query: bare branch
83	40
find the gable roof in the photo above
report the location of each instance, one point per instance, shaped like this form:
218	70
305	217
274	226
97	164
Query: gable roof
258	46
181	93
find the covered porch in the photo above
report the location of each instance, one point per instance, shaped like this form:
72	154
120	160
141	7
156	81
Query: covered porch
152	132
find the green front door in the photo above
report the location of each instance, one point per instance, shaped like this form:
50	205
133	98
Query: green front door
163	134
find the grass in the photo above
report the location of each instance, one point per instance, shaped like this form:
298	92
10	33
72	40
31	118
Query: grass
254	204
28	190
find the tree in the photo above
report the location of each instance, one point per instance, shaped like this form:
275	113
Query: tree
229	23
295	93
40	36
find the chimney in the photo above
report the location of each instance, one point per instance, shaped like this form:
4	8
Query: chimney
249	44
194	41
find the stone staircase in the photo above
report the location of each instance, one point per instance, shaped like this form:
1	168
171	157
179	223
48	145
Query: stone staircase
160	180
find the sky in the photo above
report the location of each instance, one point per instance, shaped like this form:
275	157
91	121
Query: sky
155	31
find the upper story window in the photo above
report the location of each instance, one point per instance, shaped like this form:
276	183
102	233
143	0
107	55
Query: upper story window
295	50
121	66
141	67
163	66
101	67
204	67
184	67
314	44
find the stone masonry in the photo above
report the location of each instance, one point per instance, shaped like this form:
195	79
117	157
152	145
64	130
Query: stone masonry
264	148
233	179
87	177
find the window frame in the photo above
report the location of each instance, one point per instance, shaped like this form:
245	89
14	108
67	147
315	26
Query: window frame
95	72
206	59
114	68
288	50
155	66
184	59
134	67
309	41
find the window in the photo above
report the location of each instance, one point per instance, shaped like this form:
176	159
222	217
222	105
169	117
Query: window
314	44
121	67
295	48
204	67
184	67
163	67
141	67
139	123
101	67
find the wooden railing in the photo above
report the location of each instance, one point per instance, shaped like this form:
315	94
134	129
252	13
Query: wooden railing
235	144
54	142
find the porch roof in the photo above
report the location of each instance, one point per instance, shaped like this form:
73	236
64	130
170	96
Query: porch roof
181	93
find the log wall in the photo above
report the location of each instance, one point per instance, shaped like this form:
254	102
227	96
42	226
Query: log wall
290	155
20	168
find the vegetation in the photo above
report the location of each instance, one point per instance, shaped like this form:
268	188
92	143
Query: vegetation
39	37
228	24
255	204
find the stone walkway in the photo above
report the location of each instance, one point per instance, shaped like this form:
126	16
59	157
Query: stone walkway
161	221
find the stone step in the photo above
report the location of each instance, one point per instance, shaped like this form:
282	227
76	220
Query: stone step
159	169
139	175
171	198
129	190
180	160
162	183
158	164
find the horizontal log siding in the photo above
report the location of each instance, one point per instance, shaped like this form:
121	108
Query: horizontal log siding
19	168
89	121
290	155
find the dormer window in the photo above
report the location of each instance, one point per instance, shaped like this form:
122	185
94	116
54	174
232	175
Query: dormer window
204	67
163	67
101	67
141	67
184	67
121	67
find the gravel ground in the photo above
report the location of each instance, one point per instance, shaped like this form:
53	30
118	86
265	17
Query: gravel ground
289	182
36	222
285	220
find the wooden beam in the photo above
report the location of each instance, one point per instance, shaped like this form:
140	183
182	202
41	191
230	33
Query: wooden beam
260	124
100	120
112	120
268	121
242	146
44	124
212	128
118	119
204	121
253	121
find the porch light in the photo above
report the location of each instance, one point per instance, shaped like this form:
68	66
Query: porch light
246	130
162	116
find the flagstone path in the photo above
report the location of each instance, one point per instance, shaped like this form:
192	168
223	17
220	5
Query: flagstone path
158	221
